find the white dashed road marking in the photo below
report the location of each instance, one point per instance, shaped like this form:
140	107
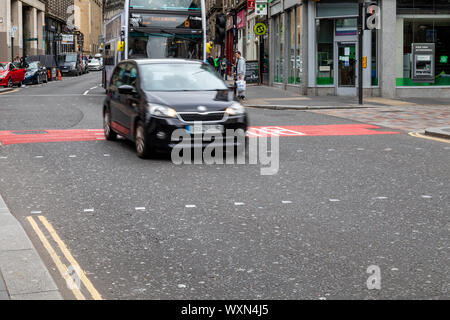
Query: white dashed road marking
191	206
239	203
88	210
140	208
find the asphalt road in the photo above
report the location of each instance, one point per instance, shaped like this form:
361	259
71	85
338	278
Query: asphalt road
338	205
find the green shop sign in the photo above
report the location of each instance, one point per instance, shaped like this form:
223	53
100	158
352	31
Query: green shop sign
444	59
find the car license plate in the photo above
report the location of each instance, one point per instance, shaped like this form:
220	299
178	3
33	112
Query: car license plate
202	128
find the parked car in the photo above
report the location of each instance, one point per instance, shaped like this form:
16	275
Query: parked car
36	73
147	100
95	65
70	63
10	75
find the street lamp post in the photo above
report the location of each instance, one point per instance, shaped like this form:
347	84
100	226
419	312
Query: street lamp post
204	28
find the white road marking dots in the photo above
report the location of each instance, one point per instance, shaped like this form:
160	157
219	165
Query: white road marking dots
88	210
360	149
107	155
139	208
3	157
381	198
426	197
286	202
72	156
36	212
388	149
335	200
39	157
191	206
239	203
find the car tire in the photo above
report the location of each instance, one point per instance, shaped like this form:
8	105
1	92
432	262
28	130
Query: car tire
110	135
10	83
141	143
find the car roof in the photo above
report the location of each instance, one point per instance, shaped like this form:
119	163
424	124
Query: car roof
159	61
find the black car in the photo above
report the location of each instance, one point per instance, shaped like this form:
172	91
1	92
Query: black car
147	100
35	73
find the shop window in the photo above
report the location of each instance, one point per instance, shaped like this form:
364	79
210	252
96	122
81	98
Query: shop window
279	48
294	46
426	30
325	52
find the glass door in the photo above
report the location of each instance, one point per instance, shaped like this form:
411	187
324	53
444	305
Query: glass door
347	68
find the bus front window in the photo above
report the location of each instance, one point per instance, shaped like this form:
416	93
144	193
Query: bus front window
166	4
157	46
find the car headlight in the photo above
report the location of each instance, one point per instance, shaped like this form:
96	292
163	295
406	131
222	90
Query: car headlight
162	111
2	76
235	109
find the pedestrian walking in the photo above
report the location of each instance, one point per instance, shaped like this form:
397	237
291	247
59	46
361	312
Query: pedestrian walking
240	75
210	60
224	68
23	63
217	64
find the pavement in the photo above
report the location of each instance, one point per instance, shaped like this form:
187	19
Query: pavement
428	116
23	275
154	230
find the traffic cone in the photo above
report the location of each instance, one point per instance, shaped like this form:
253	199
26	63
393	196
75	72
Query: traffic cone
59	75
49	74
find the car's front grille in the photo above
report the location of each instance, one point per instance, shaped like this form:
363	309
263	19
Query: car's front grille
195	116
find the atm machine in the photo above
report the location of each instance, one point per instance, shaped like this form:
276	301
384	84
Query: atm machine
423	62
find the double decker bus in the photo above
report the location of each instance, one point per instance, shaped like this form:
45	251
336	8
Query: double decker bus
152	29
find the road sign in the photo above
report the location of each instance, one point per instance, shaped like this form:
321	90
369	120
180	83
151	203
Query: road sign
14	29
260	29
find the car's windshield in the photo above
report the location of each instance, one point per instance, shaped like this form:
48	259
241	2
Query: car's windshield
71	58
33	66
94	61
3	67
180	77
166	4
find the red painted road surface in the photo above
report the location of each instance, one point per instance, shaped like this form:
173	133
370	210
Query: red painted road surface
40	136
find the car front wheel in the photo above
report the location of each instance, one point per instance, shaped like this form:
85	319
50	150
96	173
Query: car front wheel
109	133
10	83
142	147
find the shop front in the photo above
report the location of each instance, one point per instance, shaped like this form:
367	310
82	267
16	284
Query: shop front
334	50
285	41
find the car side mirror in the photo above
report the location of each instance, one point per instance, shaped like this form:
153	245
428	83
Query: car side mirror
126	89
230	86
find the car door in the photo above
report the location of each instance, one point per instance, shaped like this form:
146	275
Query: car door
128	103
13	72
116	81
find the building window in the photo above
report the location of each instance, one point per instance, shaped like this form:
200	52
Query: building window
294	46
279	48
424	22
325	52
421	30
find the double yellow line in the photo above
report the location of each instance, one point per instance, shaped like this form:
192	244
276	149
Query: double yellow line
62	268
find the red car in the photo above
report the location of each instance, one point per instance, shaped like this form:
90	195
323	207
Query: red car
10	75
